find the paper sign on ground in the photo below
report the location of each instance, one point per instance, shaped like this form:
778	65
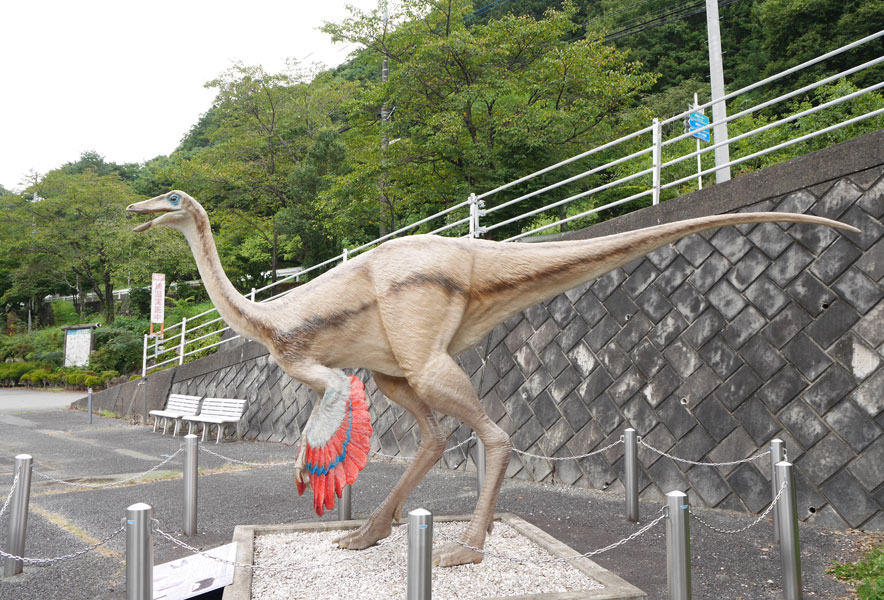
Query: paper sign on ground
193	575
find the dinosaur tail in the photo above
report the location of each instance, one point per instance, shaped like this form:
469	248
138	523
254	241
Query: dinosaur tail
517	276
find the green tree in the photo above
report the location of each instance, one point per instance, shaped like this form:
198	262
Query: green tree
244	158
77	236
477	106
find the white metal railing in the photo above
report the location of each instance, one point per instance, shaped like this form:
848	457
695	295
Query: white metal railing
646	165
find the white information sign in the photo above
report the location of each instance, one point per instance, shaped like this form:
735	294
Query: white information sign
193	575
77	346
157	298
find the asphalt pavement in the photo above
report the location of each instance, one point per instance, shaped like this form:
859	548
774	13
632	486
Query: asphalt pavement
13	400
64	519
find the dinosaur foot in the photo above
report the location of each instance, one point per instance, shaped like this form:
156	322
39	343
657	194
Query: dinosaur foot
367	535
451	555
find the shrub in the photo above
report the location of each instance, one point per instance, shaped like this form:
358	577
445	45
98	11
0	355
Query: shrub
55	357
76	378
106	376
11	373
139	301
16	347
867	574
36	377
118	348
92	381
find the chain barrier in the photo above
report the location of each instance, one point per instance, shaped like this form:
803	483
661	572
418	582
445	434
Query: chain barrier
560	559
243	462
554	458
752	524
181	544
447	450
9	496
112	483
703	464
40	562
290	462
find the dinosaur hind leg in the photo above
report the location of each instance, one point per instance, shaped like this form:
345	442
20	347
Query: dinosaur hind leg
445	386
379	524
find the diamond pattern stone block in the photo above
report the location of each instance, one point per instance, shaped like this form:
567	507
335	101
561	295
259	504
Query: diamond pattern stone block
761	330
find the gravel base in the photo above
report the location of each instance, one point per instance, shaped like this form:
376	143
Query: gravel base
381	572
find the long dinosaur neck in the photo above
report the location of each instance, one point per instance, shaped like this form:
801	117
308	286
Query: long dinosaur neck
241	314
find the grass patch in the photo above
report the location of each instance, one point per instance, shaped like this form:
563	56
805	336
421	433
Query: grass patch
867	574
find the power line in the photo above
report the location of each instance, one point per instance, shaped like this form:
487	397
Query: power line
618	11
658	18
484	9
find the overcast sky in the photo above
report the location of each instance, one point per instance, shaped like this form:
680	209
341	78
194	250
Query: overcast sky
126	78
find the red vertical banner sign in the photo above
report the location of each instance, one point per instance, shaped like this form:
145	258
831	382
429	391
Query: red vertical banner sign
157	300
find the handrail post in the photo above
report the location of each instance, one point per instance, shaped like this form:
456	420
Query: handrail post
657	159
777	454
345	506
18	515
144	358
191	480
183	333
139	552
678	546
420	554
345	255
252	295
790	549
474	216
630	468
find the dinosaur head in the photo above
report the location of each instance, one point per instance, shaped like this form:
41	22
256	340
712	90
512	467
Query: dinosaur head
176	207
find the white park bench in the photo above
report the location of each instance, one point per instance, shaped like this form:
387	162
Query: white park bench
178	406
220	412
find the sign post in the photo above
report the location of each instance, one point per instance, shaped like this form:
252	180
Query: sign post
157	301
698	120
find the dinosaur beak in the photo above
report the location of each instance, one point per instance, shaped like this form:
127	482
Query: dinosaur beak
154	205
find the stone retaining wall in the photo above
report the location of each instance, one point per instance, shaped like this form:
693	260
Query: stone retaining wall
710	348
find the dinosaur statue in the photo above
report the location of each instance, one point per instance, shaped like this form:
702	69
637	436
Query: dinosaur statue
404	310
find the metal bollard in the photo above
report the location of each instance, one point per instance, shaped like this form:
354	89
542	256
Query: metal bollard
480	465
777	454
420	554
630	468
678	546
191	477
787	517
90	406
18	515
345	506
139	552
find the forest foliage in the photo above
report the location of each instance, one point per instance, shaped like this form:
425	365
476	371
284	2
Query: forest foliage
297	165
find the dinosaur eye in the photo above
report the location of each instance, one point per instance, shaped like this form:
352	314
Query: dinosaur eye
174	199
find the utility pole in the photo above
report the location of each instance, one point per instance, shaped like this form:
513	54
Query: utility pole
385	115
716	78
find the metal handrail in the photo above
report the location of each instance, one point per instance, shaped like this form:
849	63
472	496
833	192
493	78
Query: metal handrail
477	202
777	76
620	140
780	146
778	99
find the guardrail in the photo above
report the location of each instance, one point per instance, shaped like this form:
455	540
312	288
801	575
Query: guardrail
643	166
140	525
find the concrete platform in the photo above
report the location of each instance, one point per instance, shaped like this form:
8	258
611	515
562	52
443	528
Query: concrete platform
613	587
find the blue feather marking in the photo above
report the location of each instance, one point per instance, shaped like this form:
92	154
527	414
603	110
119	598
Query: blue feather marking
319	469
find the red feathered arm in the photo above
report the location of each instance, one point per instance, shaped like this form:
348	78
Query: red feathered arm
337	445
